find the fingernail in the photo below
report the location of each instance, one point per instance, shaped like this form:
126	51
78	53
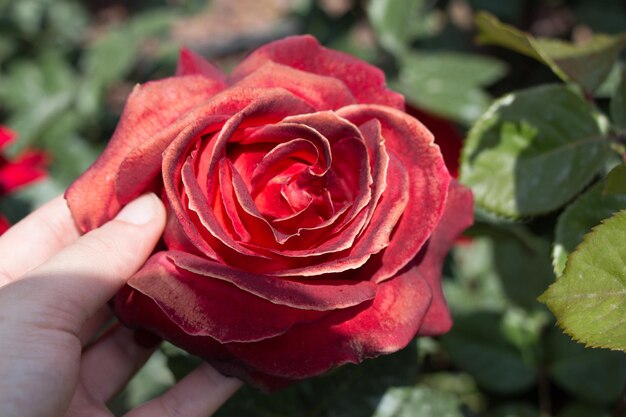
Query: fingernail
139	211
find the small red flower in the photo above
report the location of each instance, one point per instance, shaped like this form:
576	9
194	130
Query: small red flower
26	168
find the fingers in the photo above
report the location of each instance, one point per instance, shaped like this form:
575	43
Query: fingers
199	394
72	285
36	238
108	365
95	325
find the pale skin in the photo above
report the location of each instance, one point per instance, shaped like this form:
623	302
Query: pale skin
54	286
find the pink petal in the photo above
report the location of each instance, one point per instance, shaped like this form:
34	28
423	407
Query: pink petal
366	82
457	216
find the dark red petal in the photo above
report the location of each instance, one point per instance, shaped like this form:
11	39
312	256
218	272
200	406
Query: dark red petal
322	92
457	216
366	82
132	159
138	311
447	136
190	63
346	336
321	294
204	306
412	144
374	238
268	106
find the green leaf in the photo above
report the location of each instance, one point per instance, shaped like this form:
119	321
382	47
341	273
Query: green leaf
522	262
476	344
594	375
577	220
417	401
111	57
616	181
533	151
589	300
586	64
449	83
618	103
392	21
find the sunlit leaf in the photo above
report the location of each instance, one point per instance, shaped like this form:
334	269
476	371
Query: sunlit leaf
533	151
589	300
587	64
577	220
417	401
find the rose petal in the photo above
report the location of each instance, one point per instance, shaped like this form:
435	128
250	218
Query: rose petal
447	136
347	336
457	216
147	125
374	239
412	144
190	63
322	92
324	294
136	310
243	102
366	82
203	306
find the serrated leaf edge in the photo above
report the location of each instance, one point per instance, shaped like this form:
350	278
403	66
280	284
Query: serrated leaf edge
543	298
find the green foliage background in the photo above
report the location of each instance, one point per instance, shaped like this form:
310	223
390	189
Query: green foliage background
544	117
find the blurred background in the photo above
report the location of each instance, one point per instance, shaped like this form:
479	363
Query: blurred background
67	66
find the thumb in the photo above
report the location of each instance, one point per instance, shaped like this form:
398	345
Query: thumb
83	276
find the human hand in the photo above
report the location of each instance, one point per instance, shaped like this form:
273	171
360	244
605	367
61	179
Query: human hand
54	285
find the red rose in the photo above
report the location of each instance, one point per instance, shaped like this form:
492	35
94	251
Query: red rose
26	168
308	215
447	137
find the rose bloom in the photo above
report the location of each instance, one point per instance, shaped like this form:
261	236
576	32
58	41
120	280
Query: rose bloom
15	173
308	214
